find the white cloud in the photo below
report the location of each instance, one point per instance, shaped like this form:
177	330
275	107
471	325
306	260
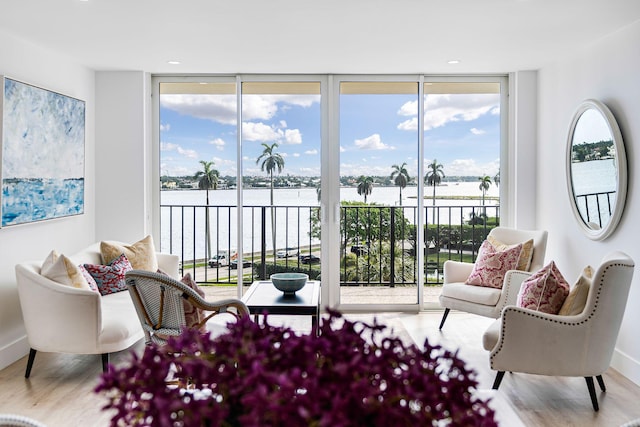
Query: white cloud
408	109
165	128
252	131
222	108
441	109
167	146
411	124
218	143
465	167
477	131
311	152
261	132
292	136
342	149
373	142
296	154
218	108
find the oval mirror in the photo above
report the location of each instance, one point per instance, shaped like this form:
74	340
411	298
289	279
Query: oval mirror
596	169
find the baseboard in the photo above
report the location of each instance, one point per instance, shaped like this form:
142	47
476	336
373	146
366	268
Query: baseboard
13	351
626	365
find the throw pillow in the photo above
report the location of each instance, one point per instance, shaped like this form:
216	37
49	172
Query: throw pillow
110	278
141	255
491	265
89	278
61	269
524	262
577	299
544	291
193	315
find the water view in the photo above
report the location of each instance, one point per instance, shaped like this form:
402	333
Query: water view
177	228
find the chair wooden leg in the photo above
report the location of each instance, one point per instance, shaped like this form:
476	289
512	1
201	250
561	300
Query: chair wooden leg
592	393
601	382
444	317
498	380
105	362
32	356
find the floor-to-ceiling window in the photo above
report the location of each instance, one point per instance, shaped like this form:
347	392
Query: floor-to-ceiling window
401	172
378	192
281	150
463	139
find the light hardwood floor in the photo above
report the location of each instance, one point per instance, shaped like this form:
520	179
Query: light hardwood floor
60	390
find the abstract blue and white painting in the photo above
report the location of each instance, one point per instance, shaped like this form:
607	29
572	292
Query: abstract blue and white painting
42	154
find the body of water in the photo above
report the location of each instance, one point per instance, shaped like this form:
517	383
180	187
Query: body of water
292	224
594	185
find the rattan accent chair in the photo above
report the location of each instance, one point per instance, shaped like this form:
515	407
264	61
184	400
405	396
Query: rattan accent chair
14	420
159	301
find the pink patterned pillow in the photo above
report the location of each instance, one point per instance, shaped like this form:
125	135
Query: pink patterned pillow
491	265
545	291
89	278
192	315
110	278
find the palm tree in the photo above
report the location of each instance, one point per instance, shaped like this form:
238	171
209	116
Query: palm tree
496	179
485	183
270	162
400	177
434	176
207	179
365	186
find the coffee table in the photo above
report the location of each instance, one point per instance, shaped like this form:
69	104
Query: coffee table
262	297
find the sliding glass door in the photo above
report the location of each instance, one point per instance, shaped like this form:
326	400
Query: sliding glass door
367	183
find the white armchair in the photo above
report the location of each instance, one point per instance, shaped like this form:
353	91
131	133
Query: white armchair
488	302
63	319
533	342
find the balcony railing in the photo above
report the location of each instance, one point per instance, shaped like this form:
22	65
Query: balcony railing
595	208
378	243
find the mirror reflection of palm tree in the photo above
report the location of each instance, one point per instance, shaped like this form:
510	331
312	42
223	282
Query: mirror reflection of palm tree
434	176
207	180
400	177
365	186
271	161
496	179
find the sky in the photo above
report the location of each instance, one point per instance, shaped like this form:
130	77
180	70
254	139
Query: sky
462	132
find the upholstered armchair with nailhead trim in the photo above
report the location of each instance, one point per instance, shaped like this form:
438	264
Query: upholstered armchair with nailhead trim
532	342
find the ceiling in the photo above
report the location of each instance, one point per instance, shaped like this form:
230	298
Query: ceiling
315	36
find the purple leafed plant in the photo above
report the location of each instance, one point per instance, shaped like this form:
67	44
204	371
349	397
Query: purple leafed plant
354	373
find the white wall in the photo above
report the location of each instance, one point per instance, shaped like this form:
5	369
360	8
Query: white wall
31	64
609	71
122	175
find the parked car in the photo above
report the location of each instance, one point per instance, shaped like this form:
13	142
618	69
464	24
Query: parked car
223	258
287	252
309	259
359	249
234	264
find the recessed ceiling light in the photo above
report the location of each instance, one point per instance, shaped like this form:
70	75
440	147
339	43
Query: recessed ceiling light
173	62
453	61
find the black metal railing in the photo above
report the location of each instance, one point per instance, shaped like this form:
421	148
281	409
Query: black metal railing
378	243
595	208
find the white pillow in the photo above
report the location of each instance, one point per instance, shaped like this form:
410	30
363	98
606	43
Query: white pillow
61	269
